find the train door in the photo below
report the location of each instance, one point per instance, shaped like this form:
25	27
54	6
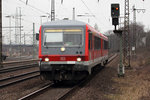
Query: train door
101	47
90	46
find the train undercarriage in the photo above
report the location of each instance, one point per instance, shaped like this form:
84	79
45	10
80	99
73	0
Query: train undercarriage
64	72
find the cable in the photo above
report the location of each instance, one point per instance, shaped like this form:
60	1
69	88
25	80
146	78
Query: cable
92	13
34	7
87	7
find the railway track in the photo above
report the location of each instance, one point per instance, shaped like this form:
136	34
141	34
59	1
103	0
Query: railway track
14	63
65	93
37	92
82	83
15	72
18	78
15	68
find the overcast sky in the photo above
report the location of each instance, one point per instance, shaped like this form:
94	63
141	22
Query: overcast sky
36	8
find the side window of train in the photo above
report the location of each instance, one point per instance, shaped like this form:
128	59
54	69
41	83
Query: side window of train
105	44
97	43
90	40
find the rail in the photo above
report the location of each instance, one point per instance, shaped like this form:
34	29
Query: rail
18	78
9	69
66	94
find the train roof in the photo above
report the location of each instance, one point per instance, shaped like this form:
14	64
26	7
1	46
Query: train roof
95	31
64	23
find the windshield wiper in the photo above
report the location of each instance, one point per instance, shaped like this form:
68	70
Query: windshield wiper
45	43
80	41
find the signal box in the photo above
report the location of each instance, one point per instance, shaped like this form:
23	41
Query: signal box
115	10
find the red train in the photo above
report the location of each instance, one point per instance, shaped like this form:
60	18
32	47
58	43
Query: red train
68	50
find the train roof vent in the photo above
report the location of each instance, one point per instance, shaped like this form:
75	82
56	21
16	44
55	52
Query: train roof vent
66	19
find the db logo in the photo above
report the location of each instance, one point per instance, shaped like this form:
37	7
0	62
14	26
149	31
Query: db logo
62	58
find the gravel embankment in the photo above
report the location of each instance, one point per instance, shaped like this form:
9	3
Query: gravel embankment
107	86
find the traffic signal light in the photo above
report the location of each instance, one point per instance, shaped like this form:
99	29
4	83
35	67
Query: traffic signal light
115	10
115	13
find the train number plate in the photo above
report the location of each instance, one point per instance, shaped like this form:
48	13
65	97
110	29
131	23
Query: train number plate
71	62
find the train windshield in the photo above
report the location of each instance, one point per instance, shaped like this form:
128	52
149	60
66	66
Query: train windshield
63	37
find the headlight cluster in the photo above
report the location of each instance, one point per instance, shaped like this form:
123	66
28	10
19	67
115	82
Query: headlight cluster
46	59
63	49
79	59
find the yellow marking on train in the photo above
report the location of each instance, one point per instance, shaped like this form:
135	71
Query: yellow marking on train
73	30
65	30
53	30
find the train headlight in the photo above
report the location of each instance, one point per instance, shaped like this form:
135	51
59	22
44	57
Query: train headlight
79	59
46	59
62	49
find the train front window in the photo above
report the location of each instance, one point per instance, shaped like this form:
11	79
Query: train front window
63	37
53	39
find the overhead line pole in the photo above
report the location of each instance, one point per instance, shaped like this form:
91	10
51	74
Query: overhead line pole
73	17
126	36
10	42
134	27
20	32
52	10
33	55
16	25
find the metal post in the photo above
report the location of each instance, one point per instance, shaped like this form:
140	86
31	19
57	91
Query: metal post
33	40
16	26
121	71
1	33
20	33
126	37
24	43
52	10
10	35
24	38
134	30
73	14
121	66
134	27
10	49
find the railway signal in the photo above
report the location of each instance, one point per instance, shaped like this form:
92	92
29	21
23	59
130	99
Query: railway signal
115	13
115	10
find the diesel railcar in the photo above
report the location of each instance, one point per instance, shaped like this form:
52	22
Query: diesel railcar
68	50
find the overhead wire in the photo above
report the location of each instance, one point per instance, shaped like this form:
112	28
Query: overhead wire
92	13
26	21
87	7
39	10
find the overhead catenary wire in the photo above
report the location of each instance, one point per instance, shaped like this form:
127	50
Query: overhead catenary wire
87	7
92	13
39	10
25	20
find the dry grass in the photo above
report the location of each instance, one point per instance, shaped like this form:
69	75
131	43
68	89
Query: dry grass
136	84
131	88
